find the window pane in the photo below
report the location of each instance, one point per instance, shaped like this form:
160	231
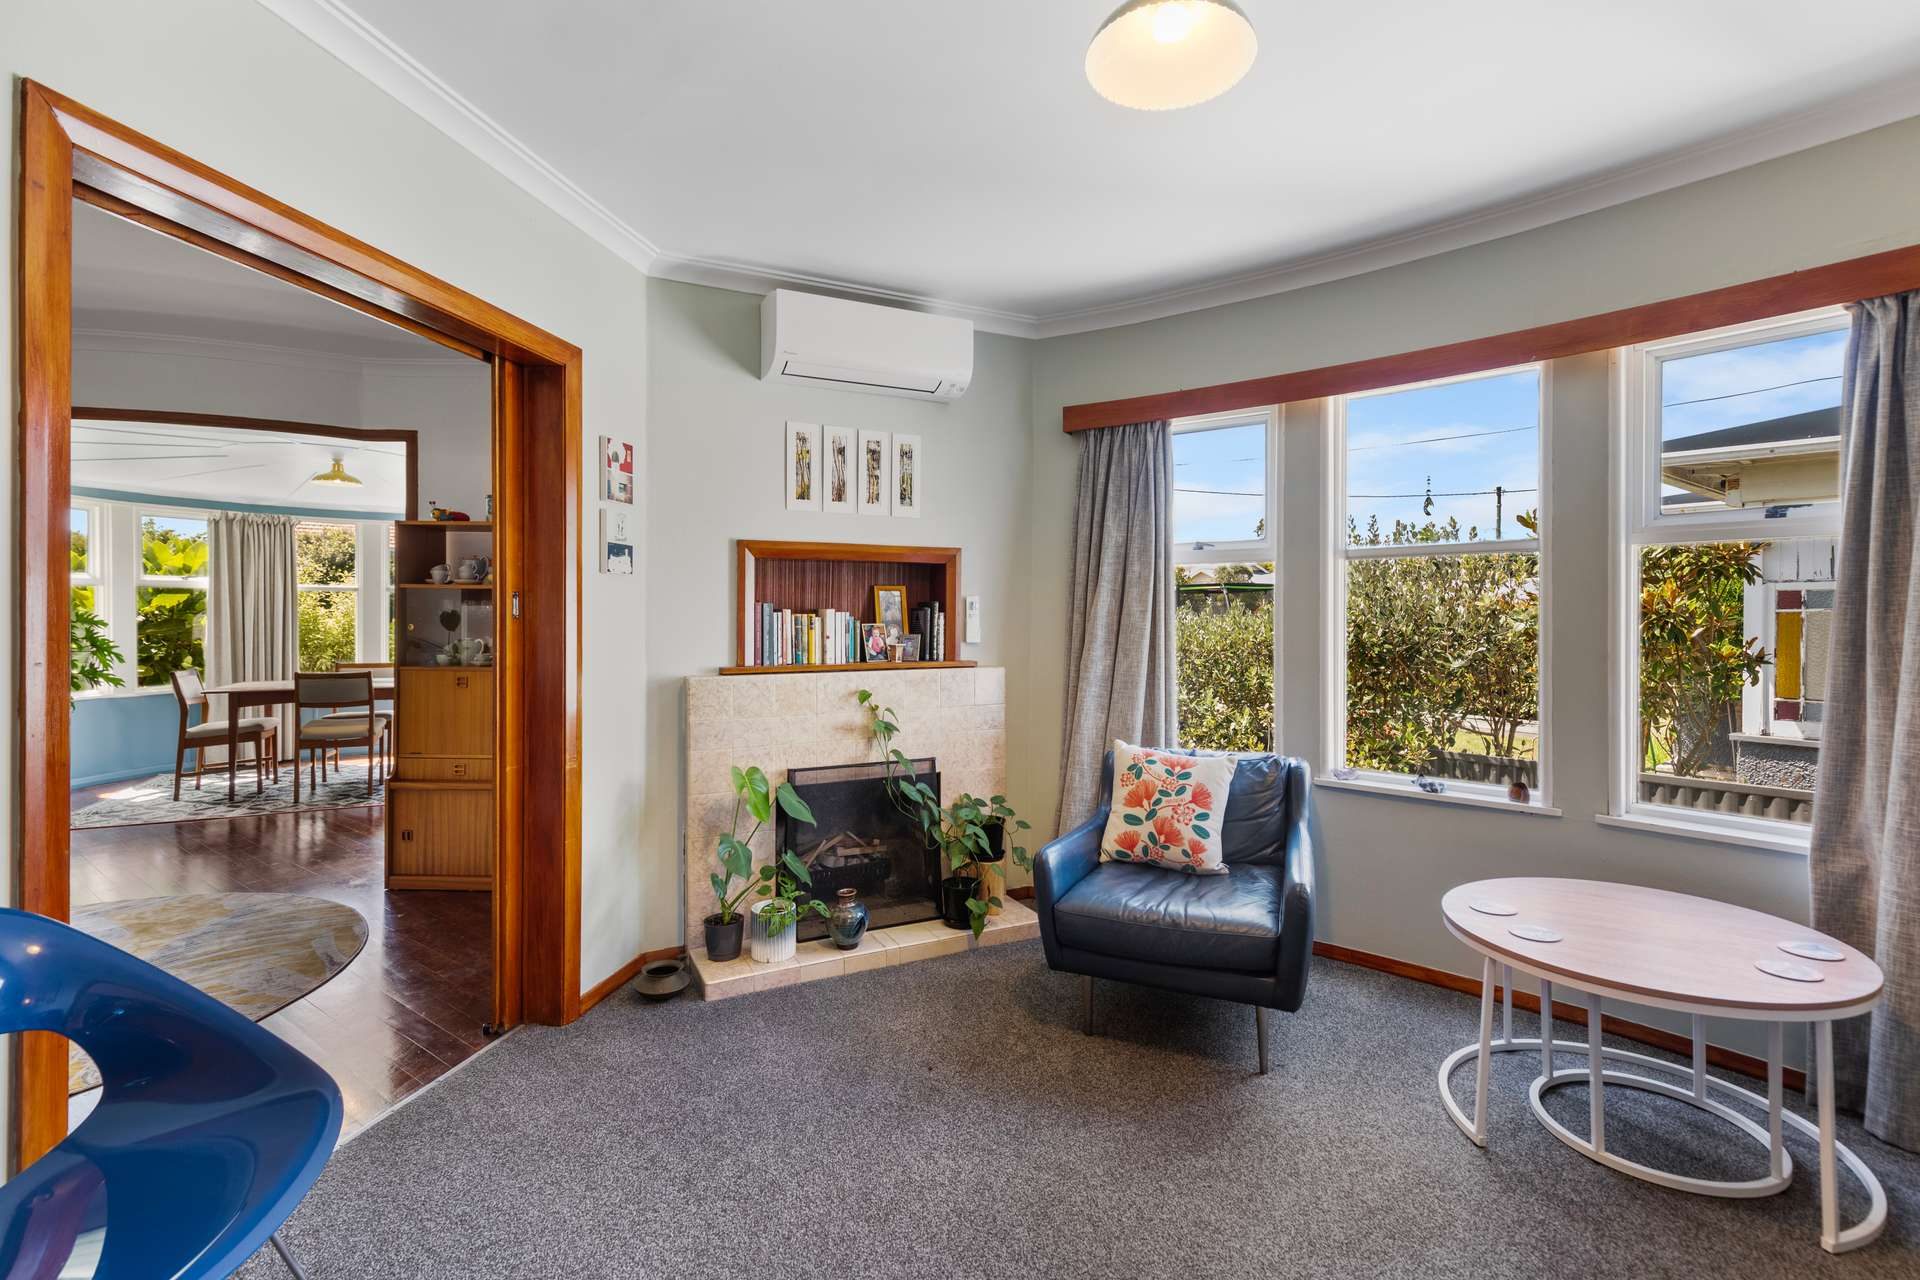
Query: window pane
173	547
1220	484
1450	463
79	541
1728	722
1443	666
326	629
172	629
1753	426
1223	630
323	554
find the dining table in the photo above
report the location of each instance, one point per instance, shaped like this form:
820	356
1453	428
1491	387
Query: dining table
270	694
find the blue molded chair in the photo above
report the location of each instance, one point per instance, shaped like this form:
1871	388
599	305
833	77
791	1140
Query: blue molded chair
208	1133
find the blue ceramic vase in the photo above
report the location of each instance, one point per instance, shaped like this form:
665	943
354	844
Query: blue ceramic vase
847	923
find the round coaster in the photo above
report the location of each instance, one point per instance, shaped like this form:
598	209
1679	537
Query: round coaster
1790	971
1813	951
1534	932
1488	907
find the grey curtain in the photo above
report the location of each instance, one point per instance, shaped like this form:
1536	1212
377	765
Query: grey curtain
1865	858
253	626
1119	606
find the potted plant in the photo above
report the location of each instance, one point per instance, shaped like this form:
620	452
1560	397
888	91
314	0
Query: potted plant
969	834
753	793
781	908
92	657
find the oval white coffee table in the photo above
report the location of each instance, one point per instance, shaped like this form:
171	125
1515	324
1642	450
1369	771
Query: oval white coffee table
1667	951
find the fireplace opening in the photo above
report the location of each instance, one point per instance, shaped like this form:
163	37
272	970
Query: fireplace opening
861	840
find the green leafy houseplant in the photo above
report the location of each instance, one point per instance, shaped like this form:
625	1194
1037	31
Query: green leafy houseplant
778	883
960	832
92	657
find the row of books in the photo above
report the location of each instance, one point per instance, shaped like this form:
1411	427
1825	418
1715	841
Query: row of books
799	637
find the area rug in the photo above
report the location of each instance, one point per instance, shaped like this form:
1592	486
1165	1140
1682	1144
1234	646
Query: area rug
255	952
147	800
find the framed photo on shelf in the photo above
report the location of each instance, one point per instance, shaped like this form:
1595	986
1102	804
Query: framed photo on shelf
874	478
873	642
803	466
616	540
616	470
890	609
909	474
837	461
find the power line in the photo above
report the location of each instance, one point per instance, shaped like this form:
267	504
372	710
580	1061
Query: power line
1456	493
1735	395
1225	493
1471	435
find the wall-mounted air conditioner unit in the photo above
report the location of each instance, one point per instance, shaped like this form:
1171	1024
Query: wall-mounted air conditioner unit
857	346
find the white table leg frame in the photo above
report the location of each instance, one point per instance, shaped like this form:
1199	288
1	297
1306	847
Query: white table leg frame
1695	1092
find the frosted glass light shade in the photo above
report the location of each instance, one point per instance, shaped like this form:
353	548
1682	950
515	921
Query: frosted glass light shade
1157	55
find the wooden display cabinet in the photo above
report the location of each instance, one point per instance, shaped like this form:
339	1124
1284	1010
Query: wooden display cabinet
440	813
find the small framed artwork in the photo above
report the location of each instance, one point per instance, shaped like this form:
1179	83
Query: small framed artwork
803	466
616	469
909	475
616	540
873	642
890	611
837	470
874	479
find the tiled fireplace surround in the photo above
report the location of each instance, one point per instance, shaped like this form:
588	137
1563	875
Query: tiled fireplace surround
799	719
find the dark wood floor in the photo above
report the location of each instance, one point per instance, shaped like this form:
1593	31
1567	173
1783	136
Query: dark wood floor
406	1009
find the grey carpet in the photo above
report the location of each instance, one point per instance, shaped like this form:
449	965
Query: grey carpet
949	1119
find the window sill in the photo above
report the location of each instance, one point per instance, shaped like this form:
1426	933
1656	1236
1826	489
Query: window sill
1710	832
1407	791
132	691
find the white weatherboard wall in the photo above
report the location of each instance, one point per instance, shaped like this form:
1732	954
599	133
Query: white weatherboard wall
1387	860
714	466
233	86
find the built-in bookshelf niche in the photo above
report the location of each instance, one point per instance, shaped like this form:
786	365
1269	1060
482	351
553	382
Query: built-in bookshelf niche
812	577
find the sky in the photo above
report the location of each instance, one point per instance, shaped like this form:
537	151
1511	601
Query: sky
1460	440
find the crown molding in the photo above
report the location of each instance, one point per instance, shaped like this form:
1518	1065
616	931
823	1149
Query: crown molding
343	33
1856	113
340	31
718	273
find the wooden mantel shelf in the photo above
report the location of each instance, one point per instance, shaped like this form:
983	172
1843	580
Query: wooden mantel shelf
801	669
811	576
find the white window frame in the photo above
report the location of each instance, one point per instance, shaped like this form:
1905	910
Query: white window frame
1334	605
368	586
1246	549
94	575
1639	523
140	578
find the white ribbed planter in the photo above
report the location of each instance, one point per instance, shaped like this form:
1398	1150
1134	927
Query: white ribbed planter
770	950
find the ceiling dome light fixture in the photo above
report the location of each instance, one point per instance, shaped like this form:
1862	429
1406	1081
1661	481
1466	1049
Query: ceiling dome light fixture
336	474
1158	55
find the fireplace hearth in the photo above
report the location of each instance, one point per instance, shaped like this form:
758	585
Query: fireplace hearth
860	839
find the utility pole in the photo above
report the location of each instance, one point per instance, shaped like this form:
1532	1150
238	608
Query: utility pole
1498	502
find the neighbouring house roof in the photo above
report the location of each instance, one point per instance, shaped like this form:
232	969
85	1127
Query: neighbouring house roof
1781	460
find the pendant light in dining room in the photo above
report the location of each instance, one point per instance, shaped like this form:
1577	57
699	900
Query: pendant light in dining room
1159	55
336	474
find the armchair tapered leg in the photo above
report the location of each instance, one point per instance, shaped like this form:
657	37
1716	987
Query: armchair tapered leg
1260	1034
1088	988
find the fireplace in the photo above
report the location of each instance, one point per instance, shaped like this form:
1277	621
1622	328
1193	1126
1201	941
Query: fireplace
861	840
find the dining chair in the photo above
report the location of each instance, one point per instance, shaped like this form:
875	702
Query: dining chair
259	732
353	722
379	696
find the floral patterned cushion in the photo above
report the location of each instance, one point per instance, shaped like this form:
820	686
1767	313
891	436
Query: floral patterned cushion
1166	809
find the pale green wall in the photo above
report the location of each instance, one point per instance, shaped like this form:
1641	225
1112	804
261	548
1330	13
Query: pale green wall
1387	860
230	84
716	450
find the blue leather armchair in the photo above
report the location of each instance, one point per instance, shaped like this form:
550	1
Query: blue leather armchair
1245	936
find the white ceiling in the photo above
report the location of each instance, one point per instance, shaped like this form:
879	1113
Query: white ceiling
954	152
234	467
128	279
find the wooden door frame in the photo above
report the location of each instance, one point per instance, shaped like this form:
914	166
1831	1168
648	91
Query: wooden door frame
70	152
